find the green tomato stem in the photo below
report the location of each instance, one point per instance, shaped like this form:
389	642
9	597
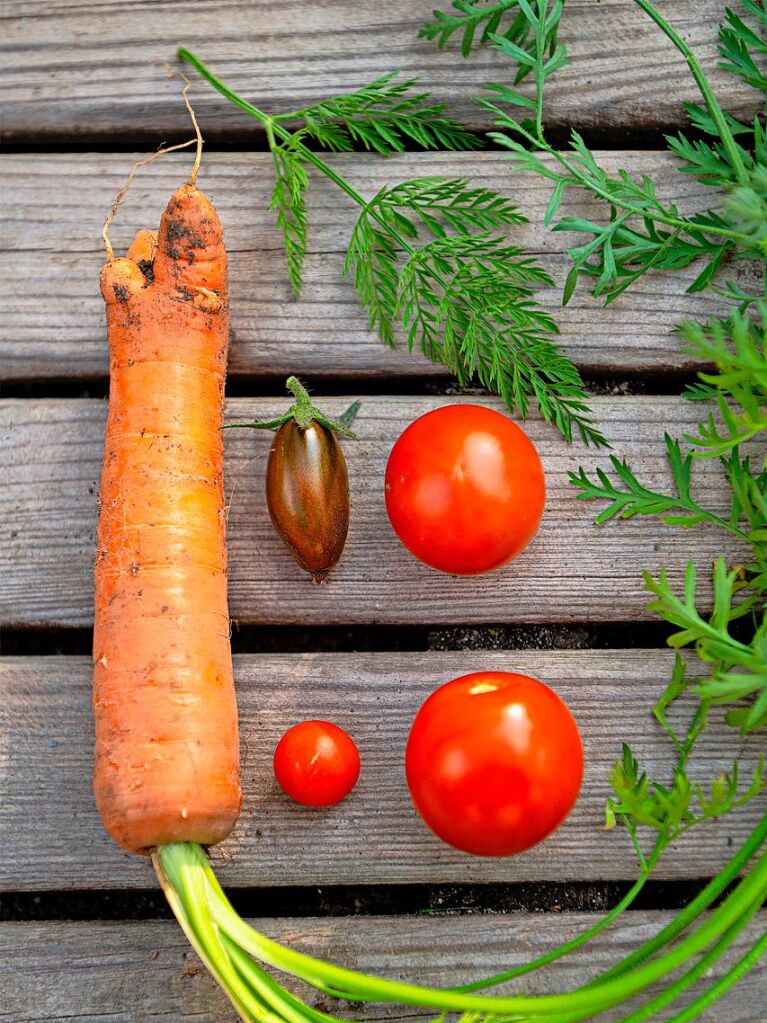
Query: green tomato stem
304	413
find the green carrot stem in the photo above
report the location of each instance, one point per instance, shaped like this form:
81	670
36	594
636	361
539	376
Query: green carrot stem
717	114
569	946
674	990
692	975
583	1002
692	910
196	927
723	985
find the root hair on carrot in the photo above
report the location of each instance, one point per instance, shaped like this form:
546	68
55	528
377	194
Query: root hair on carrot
175	73
124	190
192	179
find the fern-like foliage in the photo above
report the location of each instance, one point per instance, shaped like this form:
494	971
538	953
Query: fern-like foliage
738	670
425	255
383	117
738	347
464	299
476	22
640	231
290	183
672	809
627	496
710	161
743	46
734	669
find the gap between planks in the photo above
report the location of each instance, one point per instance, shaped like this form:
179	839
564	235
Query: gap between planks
374	836
53	255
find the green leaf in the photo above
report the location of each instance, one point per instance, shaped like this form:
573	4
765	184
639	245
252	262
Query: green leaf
466	299
290	184
384	117
571	282
554	203
469	16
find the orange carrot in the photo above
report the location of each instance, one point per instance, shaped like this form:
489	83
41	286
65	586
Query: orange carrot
167	749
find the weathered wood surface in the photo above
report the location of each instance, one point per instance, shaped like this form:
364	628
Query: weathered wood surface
572	571
72	68
52	315
134	972
53	839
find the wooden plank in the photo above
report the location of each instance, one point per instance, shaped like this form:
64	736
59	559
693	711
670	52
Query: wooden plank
53	838
75	68
572	571
139	971
52	316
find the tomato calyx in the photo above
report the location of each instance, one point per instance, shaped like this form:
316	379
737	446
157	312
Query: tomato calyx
303	412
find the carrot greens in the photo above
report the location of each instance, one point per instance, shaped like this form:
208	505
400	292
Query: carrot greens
426	257
642	231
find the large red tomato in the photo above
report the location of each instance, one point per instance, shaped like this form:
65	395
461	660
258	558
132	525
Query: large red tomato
464	489
494	762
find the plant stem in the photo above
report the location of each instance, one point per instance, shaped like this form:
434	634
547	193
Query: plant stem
723	985
584	1001
303	410
692	910
650	1009
540	78
706	91
581	939
582	179
215	929
273	128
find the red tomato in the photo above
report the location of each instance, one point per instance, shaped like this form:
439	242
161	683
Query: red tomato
494	762
316	763
464	489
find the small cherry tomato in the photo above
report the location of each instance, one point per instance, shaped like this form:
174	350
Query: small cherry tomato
316	763
494	762
464	489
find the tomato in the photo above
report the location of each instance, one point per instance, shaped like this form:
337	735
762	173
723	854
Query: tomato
464	489
494	762
316	763
307	493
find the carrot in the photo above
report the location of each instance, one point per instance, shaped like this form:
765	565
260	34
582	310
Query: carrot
167	749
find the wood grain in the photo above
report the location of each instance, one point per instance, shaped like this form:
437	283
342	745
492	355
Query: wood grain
52	314
135	972
78	69
53	839
50	457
